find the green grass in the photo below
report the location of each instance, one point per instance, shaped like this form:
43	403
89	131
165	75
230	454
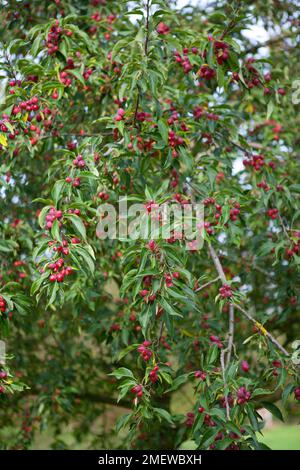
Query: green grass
282	437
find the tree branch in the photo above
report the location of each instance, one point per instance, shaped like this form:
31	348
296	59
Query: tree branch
270	42
209	283
222	359
230	334
262	329
221	273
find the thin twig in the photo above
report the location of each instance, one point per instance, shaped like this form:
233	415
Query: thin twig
207	284
222	359
283	227
147	26
222	276
161	329
146	53
217	263
262	329
221	273
270	42
230	334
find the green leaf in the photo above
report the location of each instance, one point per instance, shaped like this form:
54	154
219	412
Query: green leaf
57	190
54	290
180	380
78	224
36	45
127	350
42	216
122	372
55	231
273	409
286	392
163	130
270	109
86	257
123	421
163	414
261	391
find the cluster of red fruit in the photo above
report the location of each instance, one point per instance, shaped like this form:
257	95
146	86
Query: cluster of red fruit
190	418
216	340
245	366
295	249
255	79
153	374
174	178
103	195
225	291
169	278
3	304
151	206
108	20
234	212
28	106
277	365
183	61
162	28
200	375
63	247
137	390
116	68
142	145
200	111
147	298
79	162
54	37
142	116
120	115
206	72
58	271
174	141
263	185
174	118
297	393
229	400
256	161
221	50
144	350
152	245
3	376
52	216
273	213
165	343
243	395
12	84
75	181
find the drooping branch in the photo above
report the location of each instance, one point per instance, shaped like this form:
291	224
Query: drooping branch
271	42
221	273
262	329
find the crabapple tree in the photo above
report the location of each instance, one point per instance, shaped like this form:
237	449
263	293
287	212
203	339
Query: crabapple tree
164	104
